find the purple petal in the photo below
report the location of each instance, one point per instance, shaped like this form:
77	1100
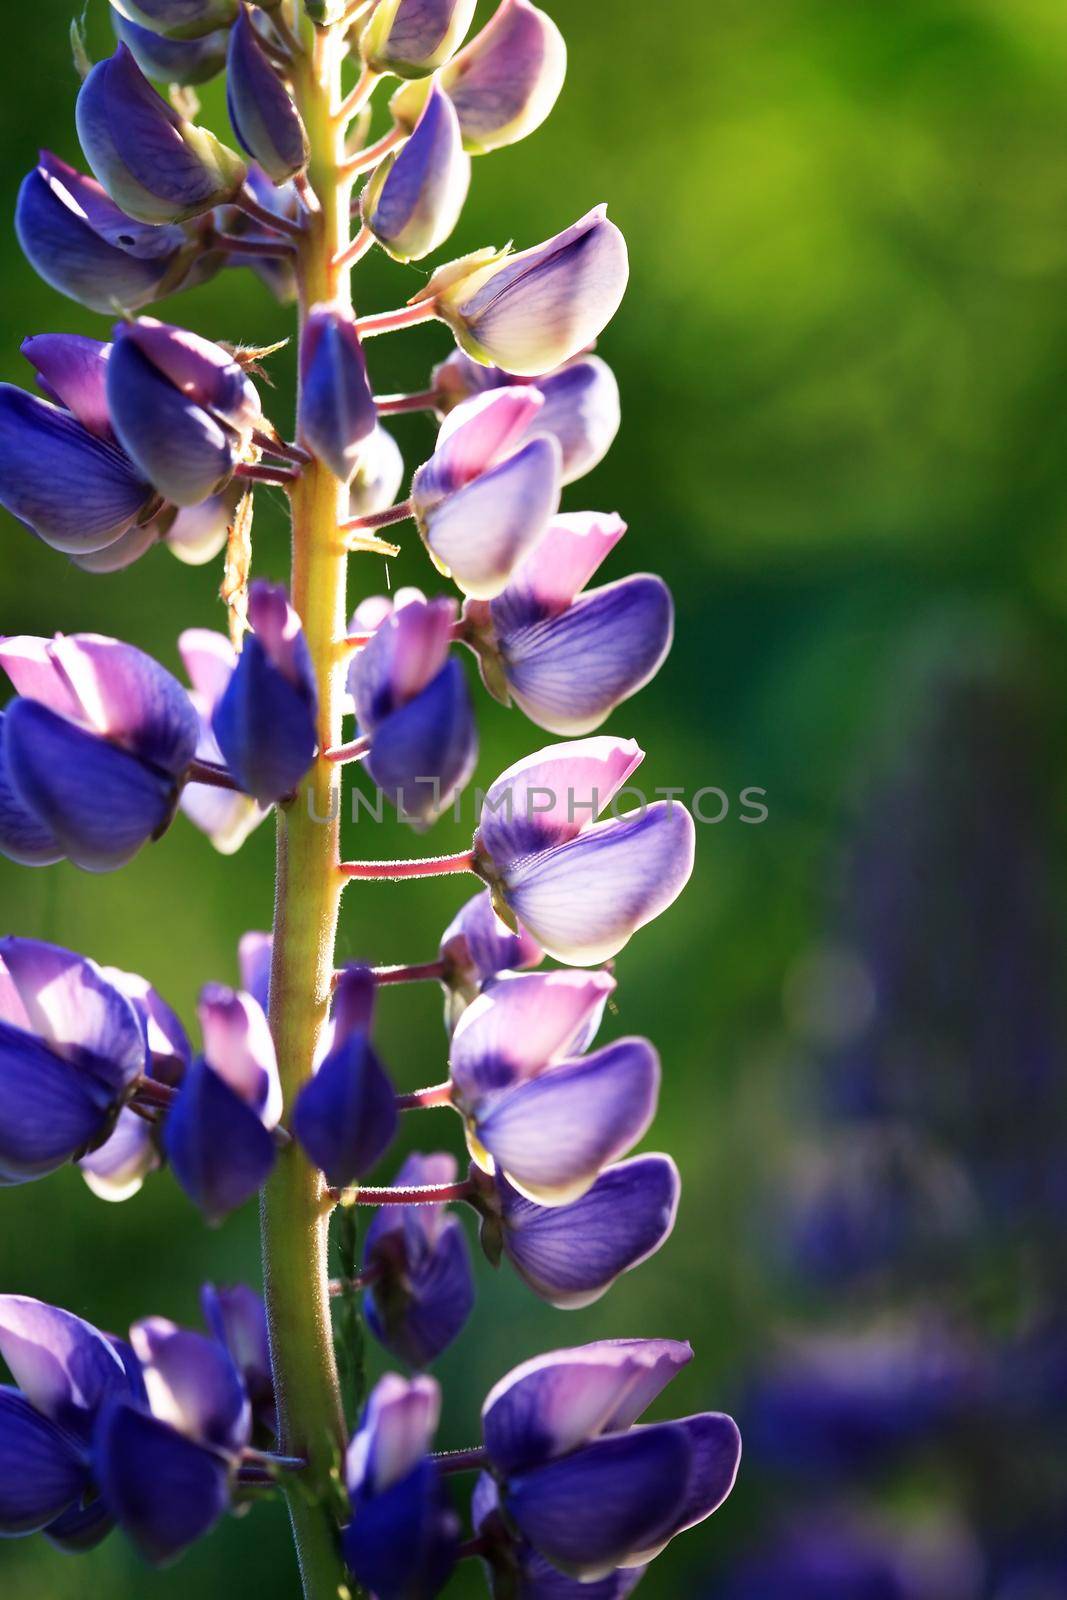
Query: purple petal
169	1052
590	1511
279	630
163	1490
539	308
193	1384
548	797
540	1580
570	672
715	1444
180	19
70	233
237	1318
571	1255
337	411
479	534
72	371
418	1311
476	945
239	1047
128	697
262	112
422	754
184	452
184	61
265	727
80	1528
50	1109
140	150
77	492
413	200
560	566
379	473
354	995
77	1011
412	38
474	437
220	1151
520	1024
204	372
63	1366
552	1136
254	953
23	838
100	803
581	410
345	1117
209	659
406	653
41	1473
506	81
127	548
552	1404
403	1542
397	1431
35	672
117	1168
583	900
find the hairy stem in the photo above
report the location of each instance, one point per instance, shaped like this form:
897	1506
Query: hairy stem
294	1220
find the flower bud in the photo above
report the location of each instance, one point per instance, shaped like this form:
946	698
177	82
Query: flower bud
414	198
379	473
416	1259
83	245
537	309
265	720
152	162
337	411
581	409
183	61
412	38
262	112
345	1116
179	19
504	83
92	752
181	406
412	703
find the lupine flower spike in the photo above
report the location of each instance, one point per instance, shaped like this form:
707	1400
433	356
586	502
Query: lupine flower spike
153	434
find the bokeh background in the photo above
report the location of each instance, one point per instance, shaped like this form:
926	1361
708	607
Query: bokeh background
842	358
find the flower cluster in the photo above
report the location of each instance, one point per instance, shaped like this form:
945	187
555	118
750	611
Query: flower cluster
153	435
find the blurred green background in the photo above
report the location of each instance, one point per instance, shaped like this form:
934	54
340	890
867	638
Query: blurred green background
842	363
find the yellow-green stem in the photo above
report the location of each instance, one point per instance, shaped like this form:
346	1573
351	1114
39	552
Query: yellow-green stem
294	1219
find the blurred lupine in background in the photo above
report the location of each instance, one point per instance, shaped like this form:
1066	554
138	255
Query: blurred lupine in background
921	1216
153	434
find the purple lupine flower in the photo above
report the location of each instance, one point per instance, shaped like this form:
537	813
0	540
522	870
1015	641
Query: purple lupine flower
412	702
116	1169
412	38
403	1537
581	888
265	720
345	1116
413	199
475	946
505	82
179	19
581	408
153	163
164	1467
485	497
568	659
65	1370
184	61
92	752
337	411
379	473
535	1109
218	1133
224	815
267	124
82	244
237	1318
580	1483
416	1260
62	471
182	408
533	311
571	1255
71	1050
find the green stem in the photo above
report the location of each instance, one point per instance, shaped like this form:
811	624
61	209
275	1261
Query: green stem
294	1212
